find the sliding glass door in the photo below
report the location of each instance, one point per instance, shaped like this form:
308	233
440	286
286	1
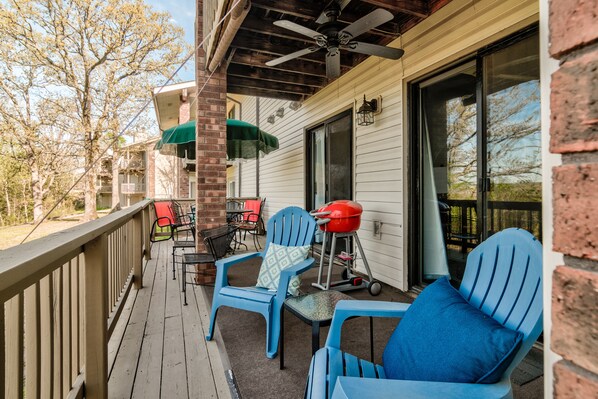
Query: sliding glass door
330	162
477	153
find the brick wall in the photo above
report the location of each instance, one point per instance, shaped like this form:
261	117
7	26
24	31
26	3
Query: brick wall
183	181
211	139
574	134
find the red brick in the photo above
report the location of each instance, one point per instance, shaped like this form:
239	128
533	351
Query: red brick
574	316
573	23
575	215
211	122
571	382
574	105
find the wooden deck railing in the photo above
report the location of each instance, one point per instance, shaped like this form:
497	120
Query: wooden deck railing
62	296
461	224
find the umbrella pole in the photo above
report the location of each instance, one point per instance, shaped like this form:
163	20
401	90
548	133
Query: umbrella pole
257	154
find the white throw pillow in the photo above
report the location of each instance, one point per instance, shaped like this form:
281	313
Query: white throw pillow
278	258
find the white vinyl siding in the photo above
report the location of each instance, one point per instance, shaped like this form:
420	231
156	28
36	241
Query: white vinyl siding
380	165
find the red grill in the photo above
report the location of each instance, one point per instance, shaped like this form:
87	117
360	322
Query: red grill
342	216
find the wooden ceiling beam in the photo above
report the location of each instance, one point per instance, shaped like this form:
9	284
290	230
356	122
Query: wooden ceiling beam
273	75
306	9
253	58
274	86
310	10
419	8
258	92
266	27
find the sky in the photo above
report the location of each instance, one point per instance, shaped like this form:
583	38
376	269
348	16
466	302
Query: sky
183	14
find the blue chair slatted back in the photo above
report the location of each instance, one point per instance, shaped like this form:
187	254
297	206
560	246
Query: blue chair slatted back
292	227
503	279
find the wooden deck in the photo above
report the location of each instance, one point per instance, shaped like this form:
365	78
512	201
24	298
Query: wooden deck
158	348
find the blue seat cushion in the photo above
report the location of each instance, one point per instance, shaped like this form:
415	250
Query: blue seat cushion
444	338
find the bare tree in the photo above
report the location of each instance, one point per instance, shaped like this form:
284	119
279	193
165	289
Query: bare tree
101	56
32	125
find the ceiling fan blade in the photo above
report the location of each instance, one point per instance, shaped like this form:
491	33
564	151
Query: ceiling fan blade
374	49
341	5
370	21
297	28
333	65
289	57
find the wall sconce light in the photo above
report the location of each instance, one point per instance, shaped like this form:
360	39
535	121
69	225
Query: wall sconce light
280	112
365	113
295	105
271	119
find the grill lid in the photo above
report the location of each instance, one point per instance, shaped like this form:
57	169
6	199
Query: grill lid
342	209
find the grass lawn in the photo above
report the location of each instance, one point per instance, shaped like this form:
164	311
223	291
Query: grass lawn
13	235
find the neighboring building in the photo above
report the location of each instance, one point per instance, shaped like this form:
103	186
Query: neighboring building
142	173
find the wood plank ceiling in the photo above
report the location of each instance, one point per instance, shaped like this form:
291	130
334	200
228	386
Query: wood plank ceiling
259	40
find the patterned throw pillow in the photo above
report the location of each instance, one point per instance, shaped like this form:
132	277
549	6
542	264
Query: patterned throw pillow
278	258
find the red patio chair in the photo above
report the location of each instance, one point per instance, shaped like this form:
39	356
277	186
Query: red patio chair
252	221
170	220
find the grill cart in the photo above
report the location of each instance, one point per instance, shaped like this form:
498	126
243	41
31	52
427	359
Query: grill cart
341	219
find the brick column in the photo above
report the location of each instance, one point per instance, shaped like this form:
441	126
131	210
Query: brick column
211	140
574	134
184	117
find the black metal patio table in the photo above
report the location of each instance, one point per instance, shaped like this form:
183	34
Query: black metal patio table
232	216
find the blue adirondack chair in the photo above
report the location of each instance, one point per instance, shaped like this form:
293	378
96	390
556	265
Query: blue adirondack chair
503	279
291	226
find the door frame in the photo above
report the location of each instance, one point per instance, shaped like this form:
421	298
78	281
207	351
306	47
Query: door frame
414	213
308	153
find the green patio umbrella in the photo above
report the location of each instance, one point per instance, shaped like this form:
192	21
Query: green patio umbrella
243	140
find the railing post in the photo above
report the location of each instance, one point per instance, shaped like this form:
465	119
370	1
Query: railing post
146	233
96	318
2	351
137	249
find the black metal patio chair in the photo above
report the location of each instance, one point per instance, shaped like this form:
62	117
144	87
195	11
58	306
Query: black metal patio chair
217	240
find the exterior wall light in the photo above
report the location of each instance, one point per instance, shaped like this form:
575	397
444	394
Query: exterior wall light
295	105
365	114
271	119
280	112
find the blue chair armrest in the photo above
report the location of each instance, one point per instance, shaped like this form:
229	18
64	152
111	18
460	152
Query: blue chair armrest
286	274
347	309
299	268
359	388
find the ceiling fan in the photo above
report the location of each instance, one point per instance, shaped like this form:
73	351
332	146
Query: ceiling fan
333	37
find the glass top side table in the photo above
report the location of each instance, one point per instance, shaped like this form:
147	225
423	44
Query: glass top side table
315	309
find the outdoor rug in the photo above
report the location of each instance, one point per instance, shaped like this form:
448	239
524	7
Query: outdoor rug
257	376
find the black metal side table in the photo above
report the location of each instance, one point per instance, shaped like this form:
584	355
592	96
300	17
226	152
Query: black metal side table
193	259
316	310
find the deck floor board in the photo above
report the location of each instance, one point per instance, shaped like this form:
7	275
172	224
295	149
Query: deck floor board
161	350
